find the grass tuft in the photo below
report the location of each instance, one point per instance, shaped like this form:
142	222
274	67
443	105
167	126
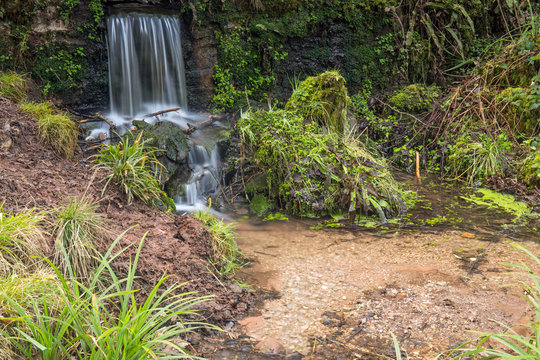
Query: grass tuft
60	132
13	86
104	323
37	110
20	239
78	230
226	257
24	290
134	167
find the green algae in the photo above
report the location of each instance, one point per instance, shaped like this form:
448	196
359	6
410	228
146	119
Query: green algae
506	202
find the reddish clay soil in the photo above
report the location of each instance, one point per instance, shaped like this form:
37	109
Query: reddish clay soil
32	176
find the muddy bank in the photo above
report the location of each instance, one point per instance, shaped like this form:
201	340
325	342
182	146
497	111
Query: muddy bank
31	175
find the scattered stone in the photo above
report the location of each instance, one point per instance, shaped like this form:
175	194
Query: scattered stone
270	346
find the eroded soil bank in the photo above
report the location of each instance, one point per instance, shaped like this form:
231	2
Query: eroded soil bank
31	175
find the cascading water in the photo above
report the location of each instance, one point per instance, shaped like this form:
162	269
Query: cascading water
146	75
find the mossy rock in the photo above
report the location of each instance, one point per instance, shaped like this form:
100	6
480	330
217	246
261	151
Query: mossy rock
415	98
311	173
322	99
260	205
168	138
257	185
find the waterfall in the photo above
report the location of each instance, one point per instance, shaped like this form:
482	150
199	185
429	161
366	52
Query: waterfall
146	69
146	75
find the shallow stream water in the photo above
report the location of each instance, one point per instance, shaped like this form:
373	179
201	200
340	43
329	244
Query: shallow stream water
340	291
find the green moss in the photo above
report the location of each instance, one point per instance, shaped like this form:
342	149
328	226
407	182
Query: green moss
415	98
312	173
322	99
257	185
259	205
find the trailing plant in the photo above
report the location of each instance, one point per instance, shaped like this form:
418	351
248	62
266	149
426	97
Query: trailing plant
78	230
13	86
134	167
226	257
60	132
510	344
20	239
312	173
104	323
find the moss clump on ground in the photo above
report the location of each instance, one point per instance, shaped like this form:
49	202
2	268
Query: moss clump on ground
259	205
312	173
322	99
13	86
414	98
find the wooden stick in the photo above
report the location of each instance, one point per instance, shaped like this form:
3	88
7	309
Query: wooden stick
109	122
161	112
418	168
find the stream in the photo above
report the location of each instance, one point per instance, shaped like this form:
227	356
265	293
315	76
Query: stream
338	292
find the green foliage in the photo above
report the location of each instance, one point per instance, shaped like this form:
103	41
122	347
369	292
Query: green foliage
13	86
312	173
476	156
415	98
530	167
511	344
226	257
242	72
60	69
322	99
20	239
24	290
103	323
78	230
60	132
133	166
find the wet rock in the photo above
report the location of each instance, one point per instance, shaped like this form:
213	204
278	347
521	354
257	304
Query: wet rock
332	319
170	139
270	346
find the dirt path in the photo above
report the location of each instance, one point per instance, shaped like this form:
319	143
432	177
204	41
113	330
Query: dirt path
343	292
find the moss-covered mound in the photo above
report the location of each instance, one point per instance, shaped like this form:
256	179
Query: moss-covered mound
414	98
312	173
322	99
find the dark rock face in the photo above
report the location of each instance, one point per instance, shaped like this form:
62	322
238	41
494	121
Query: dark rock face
200	53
